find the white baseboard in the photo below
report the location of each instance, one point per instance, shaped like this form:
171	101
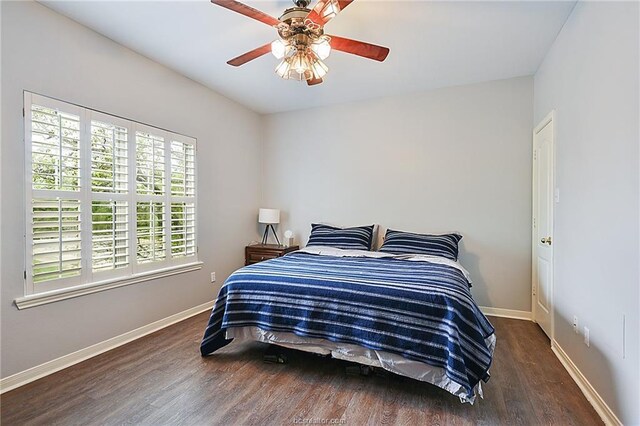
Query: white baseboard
506	313
50	367
601	407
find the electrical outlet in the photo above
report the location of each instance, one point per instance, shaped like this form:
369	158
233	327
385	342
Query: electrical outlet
586	336
575	324
213	277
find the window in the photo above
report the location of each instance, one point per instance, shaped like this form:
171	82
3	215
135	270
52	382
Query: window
108	199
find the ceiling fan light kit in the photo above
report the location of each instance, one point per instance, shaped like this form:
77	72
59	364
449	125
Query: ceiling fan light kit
301	60
302	45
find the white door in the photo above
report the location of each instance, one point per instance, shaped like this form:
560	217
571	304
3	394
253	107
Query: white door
543	198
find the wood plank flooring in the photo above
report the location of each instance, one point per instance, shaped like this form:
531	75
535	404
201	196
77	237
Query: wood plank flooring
161	379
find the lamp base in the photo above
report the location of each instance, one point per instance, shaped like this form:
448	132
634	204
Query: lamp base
265	236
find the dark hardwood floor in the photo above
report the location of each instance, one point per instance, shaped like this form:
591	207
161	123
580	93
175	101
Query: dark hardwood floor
161	379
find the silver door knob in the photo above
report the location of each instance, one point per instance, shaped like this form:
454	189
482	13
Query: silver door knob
546	240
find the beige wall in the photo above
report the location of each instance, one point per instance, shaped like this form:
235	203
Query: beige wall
47	53
590	77
455	159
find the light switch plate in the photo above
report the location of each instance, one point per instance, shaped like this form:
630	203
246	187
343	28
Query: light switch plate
586	336
213	277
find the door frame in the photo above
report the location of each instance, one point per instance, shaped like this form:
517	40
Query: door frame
549	118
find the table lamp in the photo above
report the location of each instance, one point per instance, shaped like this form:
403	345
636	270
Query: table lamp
269	217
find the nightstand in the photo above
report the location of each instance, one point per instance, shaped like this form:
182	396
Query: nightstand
258	252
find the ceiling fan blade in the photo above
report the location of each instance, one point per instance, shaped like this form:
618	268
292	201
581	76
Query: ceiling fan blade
314	81
318	16
250	56
360	48
245	10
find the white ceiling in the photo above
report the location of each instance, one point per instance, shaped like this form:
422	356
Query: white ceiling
433	44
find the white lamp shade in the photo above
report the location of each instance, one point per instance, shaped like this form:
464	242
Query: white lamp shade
269	216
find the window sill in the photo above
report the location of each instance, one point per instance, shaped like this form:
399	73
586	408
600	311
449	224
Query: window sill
56	295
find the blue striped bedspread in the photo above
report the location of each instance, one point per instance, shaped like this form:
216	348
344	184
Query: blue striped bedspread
420	310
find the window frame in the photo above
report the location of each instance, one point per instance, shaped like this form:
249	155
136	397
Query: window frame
89	279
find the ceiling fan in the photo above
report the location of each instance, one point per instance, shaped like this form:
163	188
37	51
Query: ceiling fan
302	44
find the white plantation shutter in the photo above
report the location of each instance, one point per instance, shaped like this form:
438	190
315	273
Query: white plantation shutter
110	236
54	207
56	241
55	149
109	158
151	224
183	169
150	163
109	199
150	232
182	199
183	229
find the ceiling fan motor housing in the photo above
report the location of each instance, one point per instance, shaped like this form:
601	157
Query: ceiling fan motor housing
296	25
294	15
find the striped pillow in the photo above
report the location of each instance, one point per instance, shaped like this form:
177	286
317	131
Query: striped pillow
398	242
357	238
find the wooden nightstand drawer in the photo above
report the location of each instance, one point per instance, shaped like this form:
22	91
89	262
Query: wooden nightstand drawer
260	256
259	252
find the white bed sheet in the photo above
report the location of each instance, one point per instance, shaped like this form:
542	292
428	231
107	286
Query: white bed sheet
354	353
332	251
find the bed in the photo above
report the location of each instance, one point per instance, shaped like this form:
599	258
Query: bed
409	314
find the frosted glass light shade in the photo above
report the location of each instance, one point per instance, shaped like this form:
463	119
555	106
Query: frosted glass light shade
283	69
300	63
269	216
321	48
319	69
278	48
